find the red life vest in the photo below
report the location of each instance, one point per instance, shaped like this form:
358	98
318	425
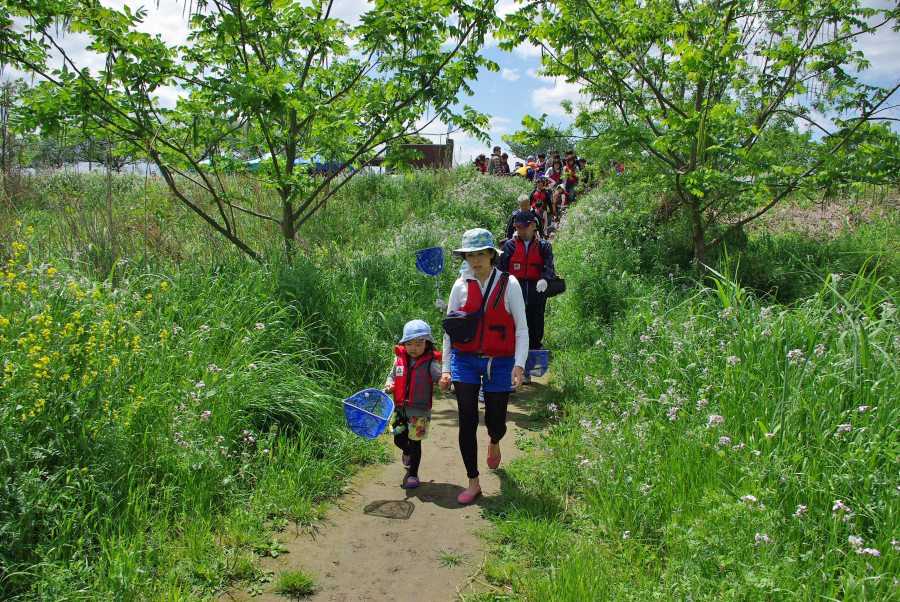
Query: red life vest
413	385
543	195
527	265
497	330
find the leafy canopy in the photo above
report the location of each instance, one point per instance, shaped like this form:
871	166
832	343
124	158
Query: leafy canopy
278	79
724	96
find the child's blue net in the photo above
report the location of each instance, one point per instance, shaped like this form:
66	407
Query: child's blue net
430	261
367	412
537	362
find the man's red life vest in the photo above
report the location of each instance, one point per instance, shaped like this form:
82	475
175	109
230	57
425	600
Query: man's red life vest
497	330
527	264
413	385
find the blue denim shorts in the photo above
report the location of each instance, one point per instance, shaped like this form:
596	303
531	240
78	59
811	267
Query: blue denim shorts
494	374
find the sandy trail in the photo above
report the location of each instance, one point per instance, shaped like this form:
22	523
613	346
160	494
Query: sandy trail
382	542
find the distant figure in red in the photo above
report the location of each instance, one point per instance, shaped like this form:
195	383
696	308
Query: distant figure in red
481	163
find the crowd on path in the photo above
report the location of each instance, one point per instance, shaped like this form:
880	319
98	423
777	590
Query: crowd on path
495	318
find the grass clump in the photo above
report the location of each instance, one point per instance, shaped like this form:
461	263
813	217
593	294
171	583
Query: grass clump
294	584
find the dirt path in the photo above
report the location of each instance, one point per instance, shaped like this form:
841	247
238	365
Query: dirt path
383	542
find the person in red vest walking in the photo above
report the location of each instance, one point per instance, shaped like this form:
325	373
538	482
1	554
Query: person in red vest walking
494	360
530	260
411	380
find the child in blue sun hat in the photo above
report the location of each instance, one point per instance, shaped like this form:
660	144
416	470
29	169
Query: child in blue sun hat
416	369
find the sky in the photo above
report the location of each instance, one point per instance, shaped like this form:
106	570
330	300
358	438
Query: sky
515	91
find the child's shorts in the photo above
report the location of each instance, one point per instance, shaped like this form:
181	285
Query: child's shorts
416	425
494	374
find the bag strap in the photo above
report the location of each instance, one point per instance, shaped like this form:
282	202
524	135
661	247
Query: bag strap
487	293
504	279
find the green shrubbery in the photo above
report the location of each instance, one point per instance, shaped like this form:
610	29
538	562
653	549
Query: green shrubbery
711	444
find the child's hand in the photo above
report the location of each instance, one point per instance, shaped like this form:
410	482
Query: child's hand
444	383
389	388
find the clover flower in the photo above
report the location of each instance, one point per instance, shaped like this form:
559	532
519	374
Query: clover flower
762	538
749	498
723	440
733	360
869	551
855	541
673	414
260	326
714	420
841	508
800	510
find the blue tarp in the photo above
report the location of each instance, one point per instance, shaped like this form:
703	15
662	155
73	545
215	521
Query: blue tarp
318	163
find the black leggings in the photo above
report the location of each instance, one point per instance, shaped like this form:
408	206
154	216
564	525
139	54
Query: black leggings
494	419
409	447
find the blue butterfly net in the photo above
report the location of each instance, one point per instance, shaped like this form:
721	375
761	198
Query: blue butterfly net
367	412
430	261
537	362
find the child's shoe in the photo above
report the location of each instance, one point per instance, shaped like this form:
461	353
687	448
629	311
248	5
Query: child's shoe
405	460
492	461
411	482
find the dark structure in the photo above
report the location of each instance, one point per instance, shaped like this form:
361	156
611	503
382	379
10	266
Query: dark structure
434	156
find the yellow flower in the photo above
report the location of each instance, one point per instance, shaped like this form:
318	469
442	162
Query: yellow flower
148	297
163	285
64	377
51	271
4	321
21	286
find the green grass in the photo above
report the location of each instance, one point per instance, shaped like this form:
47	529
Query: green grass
706	436
166	404
294	584
451	557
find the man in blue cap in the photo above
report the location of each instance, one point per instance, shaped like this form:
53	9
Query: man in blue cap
530	260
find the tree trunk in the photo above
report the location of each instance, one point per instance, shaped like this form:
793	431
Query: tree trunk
287	228
698	235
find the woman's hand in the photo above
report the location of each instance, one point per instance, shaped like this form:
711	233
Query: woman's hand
444	383
389	388
517	374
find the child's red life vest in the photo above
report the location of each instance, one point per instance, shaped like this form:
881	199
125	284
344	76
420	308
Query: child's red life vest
413	385
526	264
497	330
571	174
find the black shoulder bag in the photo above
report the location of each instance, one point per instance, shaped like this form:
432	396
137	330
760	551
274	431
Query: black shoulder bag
462	326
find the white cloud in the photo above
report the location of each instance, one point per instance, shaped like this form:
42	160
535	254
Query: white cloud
532	72
497	126
509	74
528	51
546	99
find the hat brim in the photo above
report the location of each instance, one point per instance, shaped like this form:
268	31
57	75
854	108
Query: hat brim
418	335
462	252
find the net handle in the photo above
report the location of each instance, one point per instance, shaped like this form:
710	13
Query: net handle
362	410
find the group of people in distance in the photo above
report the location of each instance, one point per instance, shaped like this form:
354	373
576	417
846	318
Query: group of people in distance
561	176
506	287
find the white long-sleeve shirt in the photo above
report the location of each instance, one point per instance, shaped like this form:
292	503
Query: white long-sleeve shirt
513	302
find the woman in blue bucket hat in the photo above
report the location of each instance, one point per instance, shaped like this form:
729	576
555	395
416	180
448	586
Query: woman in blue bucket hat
494	360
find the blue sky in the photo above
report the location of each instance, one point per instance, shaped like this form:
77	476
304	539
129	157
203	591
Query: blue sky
508	95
